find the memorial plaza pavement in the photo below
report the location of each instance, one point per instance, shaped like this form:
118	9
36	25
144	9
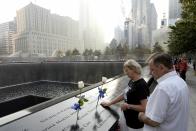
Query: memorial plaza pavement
191	81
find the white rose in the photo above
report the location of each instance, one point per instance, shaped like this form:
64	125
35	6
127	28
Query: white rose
80	84
104	79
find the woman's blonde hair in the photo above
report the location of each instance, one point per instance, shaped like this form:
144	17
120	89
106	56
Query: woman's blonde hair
133	65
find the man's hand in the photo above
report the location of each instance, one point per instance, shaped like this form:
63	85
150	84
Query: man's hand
143	118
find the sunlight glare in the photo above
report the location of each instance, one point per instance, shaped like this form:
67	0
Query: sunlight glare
109	15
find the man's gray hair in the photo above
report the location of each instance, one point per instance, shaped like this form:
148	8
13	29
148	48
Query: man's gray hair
133	65
164	59
151	57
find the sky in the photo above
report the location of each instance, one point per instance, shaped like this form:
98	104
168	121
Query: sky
111	15
62	7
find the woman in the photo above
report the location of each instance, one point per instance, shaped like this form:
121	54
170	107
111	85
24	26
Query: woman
134	96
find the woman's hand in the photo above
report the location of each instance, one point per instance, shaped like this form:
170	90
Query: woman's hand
124	106
105	103
140	116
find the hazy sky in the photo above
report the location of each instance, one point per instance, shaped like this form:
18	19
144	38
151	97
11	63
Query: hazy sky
62	7
110	10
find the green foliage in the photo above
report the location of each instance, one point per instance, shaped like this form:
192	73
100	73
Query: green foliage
88	52
119	50
125	48
104	90
68	53
59	53
140	51
187	1
107	51
82	100
113	43
97	53
85	100
113	46
157	48
182	38
75	52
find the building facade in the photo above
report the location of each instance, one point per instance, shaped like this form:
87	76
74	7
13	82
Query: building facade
90	32
119	34
164	21
40	32
174	11
141	21
7	31
152	21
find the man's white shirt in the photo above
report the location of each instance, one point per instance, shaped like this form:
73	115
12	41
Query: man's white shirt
169	104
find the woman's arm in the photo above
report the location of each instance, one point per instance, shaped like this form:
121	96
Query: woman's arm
114	101
139	108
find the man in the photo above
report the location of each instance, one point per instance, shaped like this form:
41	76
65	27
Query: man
183	65
168	106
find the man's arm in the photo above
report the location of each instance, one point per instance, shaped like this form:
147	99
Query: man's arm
143	118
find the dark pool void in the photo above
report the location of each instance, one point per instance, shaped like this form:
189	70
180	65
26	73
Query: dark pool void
12	106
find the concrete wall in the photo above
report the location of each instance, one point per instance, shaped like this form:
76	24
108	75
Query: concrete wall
11	74
89	72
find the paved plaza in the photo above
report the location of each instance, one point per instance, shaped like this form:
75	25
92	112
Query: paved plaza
191	81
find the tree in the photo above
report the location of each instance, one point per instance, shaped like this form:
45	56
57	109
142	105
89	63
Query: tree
113	46
75	52
182	38
113	43
88	52
157	48
68	53
97	53
107	51
125	48
119	51
140	52
60	53
85	53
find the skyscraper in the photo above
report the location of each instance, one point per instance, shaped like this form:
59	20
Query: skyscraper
152	23
174	11
119	34
140	24
163	21
91	33
7	31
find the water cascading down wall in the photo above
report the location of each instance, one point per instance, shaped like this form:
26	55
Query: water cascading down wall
89	72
